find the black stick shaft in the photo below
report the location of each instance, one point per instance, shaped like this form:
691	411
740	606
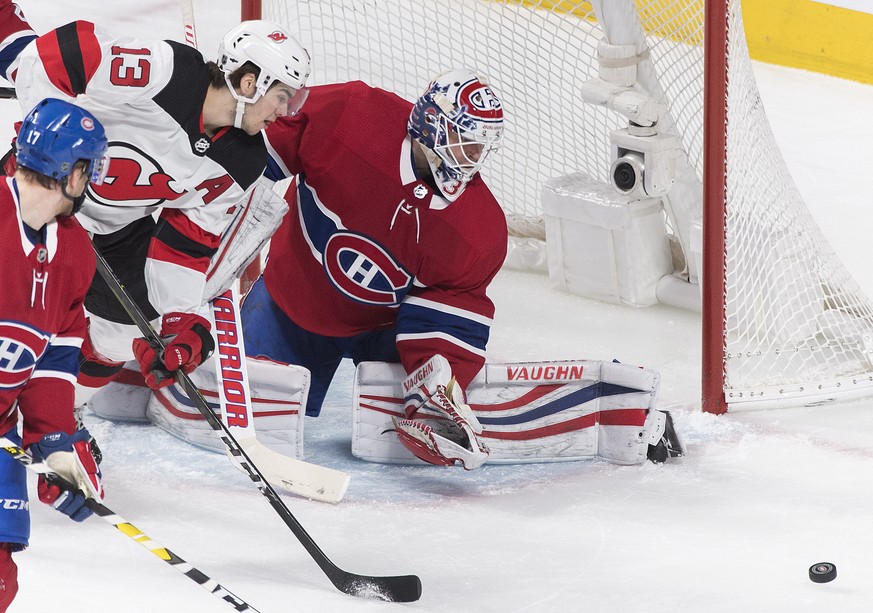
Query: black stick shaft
137	535
401	588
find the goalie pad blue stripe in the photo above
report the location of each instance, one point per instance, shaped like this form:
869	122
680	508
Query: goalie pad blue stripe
573	399
183	400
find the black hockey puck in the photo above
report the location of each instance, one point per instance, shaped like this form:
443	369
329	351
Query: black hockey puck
822	572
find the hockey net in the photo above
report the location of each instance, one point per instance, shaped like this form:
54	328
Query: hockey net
791	326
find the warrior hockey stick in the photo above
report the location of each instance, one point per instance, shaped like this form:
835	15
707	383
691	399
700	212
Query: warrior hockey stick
296	476
401	588
137	535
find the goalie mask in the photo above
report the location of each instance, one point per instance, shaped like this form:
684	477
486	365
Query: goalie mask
459	122
278	56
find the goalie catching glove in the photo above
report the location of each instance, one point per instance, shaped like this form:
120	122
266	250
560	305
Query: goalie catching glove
187	343
451	432
76	474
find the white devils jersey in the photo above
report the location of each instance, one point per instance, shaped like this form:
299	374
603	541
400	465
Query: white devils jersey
149	96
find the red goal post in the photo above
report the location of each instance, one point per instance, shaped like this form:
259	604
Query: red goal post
783	323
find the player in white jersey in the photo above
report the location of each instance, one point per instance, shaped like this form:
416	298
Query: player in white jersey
185	135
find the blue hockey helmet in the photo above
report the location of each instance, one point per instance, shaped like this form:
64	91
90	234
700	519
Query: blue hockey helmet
56	134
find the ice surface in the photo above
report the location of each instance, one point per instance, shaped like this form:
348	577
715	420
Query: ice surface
733	526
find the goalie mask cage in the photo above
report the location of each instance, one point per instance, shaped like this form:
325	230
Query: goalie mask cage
783	321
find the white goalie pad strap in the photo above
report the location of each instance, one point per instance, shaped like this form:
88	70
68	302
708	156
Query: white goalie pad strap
423	381
278	393
248	233
529	411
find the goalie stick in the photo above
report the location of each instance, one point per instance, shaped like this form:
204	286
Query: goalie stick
298	477
399	588
137	535
232	379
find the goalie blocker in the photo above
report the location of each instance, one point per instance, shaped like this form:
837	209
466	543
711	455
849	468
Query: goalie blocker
530	412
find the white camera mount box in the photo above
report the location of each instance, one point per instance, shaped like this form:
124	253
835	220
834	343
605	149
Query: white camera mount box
644	161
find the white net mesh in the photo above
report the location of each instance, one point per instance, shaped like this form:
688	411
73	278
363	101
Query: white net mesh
795	318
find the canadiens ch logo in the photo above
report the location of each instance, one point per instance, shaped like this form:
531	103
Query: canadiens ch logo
480	101
20	349
362	270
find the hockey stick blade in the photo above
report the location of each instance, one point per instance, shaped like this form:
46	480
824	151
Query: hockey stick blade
293	475
296	476
137	535
402	588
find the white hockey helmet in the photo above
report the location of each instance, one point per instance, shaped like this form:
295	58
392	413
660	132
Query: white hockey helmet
459	122
274	51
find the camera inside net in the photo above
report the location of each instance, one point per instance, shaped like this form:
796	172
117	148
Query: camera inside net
643	166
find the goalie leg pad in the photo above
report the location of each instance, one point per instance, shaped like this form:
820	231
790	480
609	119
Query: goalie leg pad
123	399
278	394
528	411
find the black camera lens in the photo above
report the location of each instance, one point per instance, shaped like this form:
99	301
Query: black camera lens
624	176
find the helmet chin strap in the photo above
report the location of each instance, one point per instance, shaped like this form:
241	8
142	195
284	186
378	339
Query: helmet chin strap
240	111
78	201
241	102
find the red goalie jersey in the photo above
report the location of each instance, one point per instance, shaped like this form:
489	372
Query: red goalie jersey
368	245
42	321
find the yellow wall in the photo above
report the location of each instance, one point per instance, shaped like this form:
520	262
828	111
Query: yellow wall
798	33
812	36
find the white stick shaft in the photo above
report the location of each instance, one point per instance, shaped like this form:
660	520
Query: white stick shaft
234	396
188	22
231	372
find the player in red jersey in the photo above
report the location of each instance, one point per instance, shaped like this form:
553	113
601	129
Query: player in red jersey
185	135
388	250
48	265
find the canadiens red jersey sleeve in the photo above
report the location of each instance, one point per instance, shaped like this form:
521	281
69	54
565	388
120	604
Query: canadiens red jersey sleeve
449	311
47	400
15	35
293	139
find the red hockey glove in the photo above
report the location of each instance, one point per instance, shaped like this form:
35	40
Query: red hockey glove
76	474
187	343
